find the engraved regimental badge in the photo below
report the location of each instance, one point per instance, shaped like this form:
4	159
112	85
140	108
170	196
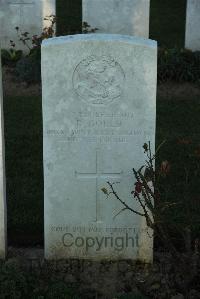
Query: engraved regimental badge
98	80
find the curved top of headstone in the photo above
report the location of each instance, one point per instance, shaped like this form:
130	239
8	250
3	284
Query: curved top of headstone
99	107
100	37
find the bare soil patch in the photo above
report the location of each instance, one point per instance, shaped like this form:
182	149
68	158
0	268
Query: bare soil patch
13	87
178	91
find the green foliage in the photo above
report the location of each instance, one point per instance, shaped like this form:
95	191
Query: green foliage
182	150
178	65
34	42
11	56
16	283
28	69
86	28
31	63
60	290
12	280
35	53
133	296
173	64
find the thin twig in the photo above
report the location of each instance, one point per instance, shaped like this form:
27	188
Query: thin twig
123	202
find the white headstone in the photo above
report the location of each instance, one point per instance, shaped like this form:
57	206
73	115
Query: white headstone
99	107
28	15
130	17
2	179
192	35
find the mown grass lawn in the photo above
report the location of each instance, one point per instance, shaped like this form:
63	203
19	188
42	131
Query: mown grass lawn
24	170
177	122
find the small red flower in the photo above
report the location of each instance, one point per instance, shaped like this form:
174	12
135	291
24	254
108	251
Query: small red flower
157	195
184	141
138	187
165	167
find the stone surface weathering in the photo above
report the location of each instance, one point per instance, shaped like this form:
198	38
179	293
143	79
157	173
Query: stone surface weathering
99	108
192	35
129	17
28	15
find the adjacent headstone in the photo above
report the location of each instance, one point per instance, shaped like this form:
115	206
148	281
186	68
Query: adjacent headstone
99	107
2	180
130	17
192	36
28	15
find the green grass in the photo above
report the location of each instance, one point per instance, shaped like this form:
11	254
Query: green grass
69	16
167	20
24	171
178	124
34	283
23	132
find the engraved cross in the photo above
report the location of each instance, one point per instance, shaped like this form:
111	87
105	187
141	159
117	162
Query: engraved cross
96	176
